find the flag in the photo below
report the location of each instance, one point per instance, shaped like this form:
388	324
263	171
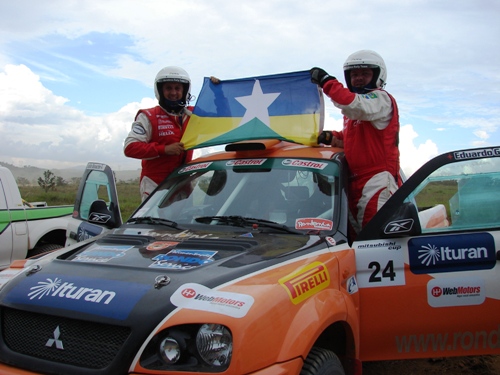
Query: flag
284	106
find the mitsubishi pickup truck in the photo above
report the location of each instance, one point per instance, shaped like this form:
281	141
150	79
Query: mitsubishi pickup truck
27	229
240	263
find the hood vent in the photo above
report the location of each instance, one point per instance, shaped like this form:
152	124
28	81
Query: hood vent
117	239
217	244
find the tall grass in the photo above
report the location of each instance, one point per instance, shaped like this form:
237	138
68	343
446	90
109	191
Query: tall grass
128	196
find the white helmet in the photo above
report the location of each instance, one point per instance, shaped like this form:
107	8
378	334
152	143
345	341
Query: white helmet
366	59
173	74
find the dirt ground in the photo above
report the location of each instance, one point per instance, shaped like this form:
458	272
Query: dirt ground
483	365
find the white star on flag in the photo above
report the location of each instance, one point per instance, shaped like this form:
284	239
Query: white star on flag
256	104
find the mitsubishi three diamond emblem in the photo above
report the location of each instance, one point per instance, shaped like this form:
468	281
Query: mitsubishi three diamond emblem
58	343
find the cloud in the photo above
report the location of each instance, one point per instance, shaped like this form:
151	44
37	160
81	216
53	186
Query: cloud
71	82
40	129
414	156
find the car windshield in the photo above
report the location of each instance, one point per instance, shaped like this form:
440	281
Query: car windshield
293	193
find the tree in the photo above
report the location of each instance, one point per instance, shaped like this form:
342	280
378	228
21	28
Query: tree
23	181
60	181
48	181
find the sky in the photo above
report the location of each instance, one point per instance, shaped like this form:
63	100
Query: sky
73	73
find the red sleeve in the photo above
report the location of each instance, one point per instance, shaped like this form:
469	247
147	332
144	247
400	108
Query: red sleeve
338	93
141	150
338	135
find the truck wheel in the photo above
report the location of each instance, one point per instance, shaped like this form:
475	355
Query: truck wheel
37	250
321	361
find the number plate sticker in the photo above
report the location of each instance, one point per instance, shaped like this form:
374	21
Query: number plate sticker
380	263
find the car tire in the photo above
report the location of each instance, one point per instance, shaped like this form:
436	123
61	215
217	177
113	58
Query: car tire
321	361
38	250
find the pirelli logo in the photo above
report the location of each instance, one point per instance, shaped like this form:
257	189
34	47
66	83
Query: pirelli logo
306	282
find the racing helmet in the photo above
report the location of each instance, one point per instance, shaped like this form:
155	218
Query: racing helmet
173	74
366	59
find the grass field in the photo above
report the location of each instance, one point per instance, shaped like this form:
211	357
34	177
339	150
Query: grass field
128	195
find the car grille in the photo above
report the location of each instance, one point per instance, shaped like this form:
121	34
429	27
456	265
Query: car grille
85	344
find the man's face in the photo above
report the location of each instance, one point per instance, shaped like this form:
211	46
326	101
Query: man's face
172	90
361	77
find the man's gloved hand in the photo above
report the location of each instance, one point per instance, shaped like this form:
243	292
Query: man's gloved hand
319	76
325	137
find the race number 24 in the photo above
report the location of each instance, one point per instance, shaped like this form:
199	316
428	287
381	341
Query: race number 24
380	267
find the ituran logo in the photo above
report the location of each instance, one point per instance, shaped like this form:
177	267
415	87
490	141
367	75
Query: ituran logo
452	253
81	294
56	288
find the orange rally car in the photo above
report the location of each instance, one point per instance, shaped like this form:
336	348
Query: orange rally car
239	263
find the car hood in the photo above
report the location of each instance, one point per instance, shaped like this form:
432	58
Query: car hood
110	279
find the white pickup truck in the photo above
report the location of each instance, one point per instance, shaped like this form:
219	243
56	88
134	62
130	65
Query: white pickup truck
27	230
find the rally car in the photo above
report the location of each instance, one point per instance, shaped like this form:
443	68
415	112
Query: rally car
240	263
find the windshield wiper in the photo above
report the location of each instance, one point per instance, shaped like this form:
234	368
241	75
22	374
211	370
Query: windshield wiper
152	220
241	221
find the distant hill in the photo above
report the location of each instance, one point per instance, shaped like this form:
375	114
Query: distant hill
32	173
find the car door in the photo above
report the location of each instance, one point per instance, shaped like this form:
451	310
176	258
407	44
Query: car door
427	266
97	209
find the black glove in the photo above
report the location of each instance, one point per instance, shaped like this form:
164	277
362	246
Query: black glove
319	76
325	137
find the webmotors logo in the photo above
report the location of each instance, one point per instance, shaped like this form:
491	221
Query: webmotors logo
199	297
452	253
444	292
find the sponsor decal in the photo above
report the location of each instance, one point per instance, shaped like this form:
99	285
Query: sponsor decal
185	234
101	254
167	126
86	230
389	245
306	282
371	95
137	128
445	292
198	297
380	263
463	155
304	163
399	226
99	218
312	223
466	252
108	298
160	245
165	133
195	167
331	241
352	285
96	166
183	259
245	162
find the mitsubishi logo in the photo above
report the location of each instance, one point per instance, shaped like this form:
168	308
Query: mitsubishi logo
55	340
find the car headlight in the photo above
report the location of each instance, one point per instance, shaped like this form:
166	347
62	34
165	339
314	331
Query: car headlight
215	344
170	350
190	347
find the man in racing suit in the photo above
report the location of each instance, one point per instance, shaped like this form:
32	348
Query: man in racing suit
370	135
156	132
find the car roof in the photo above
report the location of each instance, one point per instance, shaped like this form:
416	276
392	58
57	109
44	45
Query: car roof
272	149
